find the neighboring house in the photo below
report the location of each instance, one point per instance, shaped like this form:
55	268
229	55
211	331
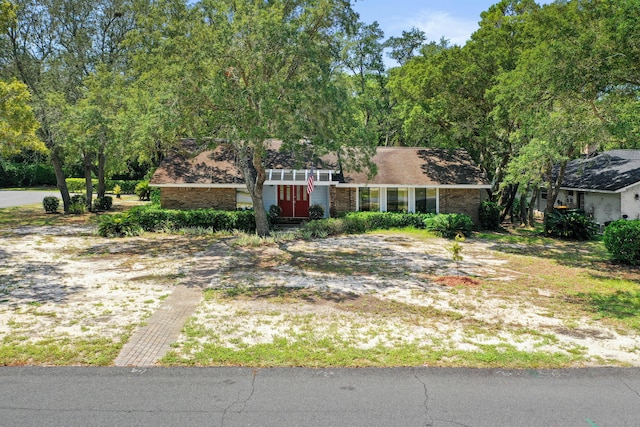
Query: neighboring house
407	180
606	186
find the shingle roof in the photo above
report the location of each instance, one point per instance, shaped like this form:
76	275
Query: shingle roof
421	166
608	171
396	166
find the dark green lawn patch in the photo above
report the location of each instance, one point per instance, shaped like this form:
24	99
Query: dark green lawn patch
16	351
621	305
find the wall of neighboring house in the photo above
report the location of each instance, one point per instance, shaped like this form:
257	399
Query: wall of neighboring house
630	202
466	201
198	198
602	207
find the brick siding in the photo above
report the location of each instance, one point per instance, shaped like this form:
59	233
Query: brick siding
343	199
197	198
466	201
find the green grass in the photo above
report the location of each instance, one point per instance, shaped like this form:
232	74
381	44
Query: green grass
331	352
17	351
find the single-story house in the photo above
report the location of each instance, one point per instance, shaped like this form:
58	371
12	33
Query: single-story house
407	180
605	185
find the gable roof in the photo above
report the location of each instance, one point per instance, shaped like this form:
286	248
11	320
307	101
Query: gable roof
608	171
396	166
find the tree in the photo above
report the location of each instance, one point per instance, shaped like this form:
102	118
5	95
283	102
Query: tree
245	72
17	122
52	47
405	47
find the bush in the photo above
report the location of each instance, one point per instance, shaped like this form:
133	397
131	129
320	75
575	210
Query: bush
450	225
570	225
102	203
143	191
118	225
155	196
77	208
489	213
316	212
79	198
274	213
51	204
152	218
622	240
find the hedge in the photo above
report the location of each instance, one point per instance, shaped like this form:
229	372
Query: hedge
622	240
77	185
153	218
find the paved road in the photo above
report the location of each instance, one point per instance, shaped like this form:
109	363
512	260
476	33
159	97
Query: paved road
33	396
11	198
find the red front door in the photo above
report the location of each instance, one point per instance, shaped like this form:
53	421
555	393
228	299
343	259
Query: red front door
293	200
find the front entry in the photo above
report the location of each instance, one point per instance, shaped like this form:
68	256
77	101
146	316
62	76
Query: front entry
294	201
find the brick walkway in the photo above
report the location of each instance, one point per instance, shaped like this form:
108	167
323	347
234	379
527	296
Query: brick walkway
149	343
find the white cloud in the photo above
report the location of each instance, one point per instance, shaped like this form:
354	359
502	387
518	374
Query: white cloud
437	24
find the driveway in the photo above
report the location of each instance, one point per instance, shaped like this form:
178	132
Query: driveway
11	198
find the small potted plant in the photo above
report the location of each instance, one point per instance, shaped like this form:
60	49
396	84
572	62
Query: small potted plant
117	191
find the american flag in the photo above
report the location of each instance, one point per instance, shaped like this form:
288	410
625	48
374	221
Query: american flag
310	182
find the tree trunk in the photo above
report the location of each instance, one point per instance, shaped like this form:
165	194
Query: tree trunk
508	196
86	158
255	175
534	197
102	186
61	183
523	208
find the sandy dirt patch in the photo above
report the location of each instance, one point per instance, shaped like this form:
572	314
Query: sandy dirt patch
369	290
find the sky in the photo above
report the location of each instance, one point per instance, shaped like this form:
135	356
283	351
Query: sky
456	20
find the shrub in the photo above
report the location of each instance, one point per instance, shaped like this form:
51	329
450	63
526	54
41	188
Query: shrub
118	225
79	199
570	225
152	218
50	204
77	185
117	190
316	212
489	213
143	191
155	196
274	213
77	208
622	240
450	225
102	203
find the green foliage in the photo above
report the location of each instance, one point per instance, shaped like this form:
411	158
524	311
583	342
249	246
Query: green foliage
102	203
571	225
361	222
456	248
77	185
79	199
118	225
622	240
489	213
153	218
274	213
450	225
155	196
21	174
77	208
17	121
50	204
143	190
316	212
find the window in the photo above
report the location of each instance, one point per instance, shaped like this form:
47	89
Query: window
243	199
370	199
426	200
397	199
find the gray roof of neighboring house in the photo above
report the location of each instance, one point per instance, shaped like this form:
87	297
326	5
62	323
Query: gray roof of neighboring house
396	166
608	171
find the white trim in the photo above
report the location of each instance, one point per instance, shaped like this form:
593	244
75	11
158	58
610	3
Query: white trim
590	190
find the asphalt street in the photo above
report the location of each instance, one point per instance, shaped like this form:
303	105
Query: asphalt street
11	198
77	396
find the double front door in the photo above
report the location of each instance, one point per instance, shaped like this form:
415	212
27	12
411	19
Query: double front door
293	200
